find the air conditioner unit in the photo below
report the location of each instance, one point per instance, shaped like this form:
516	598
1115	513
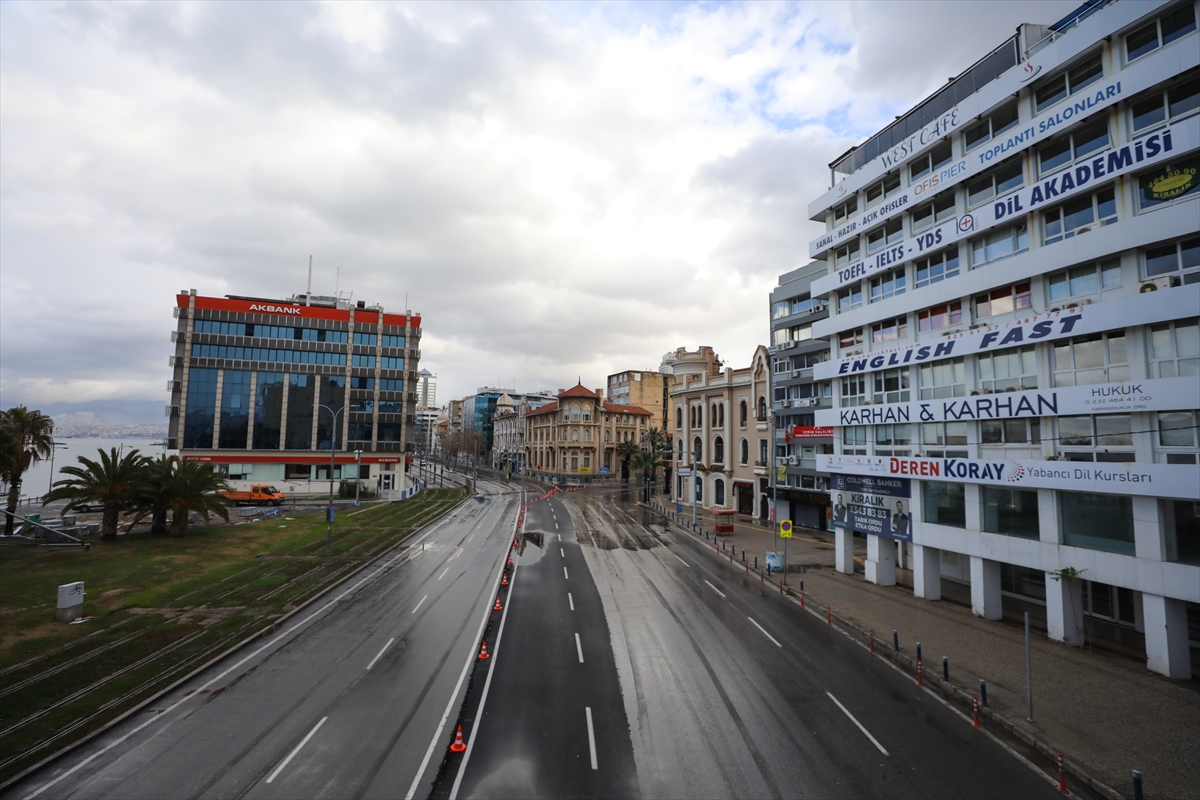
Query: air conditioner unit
951	331
172	385
174	336
171	411
795	373
857	352
788	345
1078	303
785	403
1154	284
793	461
171	361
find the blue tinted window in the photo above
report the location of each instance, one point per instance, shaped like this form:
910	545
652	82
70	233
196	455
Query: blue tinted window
201	409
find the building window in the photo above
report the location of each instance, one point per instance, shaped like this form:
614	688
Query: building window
697	448
575	413
1085	280
574	434
939	317
891	233
943	379
1000	181
1181	523
745	446
302	391
719	492
1074	146
933	213
781	309
891	386
1166	106
807	305
854	391
1099	358
1002	119
999	244
895	440
1175	349
888	187
854	440
268	410
1097	436
762	408
366	339
718	450
1009	371
940	435
1178	429
937	267
358	360
850	339
888	285
1003	301
1161	31
201	410
678	418
931	162
742	414
1010	431
890	330
235	410
1182	256
944	503
1079	216
360	431
1013	512
392	341
357	382
849	298
720	415
1097	521
1084	74
842	212
587	434
843	256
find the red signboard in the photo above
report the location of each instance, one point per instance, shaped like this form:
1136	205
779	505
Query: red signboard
294	457
809	432
289	310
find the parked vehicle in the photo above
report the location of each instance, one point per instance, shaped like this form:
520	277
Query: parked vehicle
257	496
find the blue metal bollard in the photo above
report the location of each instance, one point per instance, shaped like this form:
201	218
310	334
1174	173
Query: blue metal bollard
983	691
756	562
1137	784
896	641
918	651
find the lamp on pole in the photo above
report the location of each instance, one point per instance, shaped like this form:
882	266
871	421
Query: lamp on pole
357	474
332	453
53	446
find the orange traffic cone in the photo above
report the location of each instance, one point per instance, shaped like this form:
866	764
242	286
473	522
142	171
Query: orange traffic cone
483	653
510	561
504	580
459	745
497	607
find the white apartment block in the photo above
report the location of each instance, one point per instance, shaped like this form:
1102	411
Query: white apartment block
1014	286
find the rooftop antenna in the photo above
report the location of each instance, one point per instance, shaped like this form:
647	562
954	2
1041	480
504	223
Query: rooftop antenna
337	284
308	294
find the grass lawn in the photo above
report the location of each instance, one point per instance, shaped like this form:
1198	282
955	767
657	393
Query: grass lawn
160	606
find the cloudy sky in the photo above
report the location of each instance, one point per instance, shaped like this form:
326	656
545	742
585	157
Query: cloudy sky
562	190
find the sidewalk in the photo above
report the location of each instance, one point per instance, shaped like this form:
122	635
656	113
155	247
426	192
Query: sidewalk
1106	713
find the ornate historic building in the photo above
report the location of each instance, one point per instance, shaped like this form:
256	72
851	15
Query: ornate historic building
578	435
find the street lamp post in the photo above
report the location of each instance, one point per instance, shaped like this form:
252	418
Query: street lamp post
53	446
332	453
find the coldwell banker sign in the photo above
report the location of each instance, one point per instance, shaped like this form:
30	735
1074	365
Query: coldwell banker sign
1152	480
872	505
1104	398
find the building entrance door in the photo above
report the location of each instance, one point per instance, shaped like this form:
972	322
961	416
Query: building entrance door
745	499
386	481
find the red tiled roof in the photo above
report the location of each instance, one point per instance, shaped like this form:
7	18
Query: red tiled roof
577	390
626	409
546	409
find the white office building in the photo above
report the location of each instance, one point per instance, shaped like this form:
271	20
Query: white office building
1014	285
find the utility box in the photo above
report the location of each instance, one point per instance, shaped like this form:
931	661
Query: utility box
70	602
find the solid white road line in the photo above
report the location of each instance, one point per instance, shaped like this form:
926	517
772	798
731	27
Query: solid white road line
579	648
591	737
681	561
423	599
866	733
715	589
381	652
764	632
295	750
447	569
571	600
565	576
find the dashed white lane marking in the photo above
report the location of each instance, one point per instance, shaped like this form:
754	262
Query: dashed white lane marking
560	537
579	648
565	576
381	652
556	526
561	553
764	632
591	737
681	561
866	733
423	599
571	600
295	750
447	569
469	538
715	589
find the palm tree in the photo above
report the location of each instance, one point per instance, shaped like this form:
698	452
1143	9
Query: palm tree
193	486
627	450
115	480
646	462
27	439
153	498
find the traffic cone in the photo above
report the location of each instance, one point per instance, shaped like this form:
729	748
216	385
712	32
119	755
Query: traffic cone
483	653
459	745
504	580
497	607
510	561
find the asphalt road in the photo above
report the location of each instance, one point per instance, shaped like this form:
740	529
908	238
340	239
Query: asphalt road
343	702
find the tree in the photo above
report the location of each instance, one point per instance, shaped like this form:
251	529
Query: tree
194	486
627	450
153	498
115	480
27	438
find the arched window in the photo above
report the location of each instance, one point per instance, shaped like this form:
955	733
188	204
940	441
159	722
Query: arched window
721	415
697	446
587	434
745	447
607	436
574	413
762	408
712	417
718	492
743	417
718	450
575	434
679	418
681	448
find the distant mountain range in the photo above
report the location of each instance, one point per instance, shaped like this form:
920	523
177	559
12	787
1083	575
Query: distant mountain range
105	418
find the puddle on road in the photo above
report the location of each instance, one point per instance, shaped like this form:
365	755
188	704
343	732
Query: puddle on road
607	524
531	547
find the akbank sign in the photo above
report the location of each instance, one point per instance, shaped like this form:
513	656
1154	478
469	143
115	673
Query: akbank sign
1139	309
1081	177
1181	481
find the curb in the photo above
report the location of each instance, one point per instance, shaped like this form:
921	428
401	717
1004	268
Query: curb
950	691
273	627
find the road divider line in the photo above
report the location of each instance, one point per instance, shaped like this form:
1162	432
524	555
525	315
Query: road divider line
579	648
566	577
591	737
764	632
423	599
381	652
447	569
715	589
295	750
561	553
555	526
681	561
866	733
457	553
571	600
